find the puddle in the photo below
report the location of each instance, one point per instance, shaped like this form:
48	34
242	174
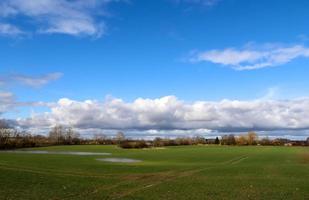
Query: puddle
61	153
84	153
30	152
119	160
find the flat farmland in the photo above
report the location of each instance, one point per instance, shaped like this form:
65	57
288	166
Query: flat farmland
183	172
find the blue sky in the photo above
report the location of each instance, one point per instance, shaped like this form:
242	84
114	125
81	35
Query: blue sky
195	50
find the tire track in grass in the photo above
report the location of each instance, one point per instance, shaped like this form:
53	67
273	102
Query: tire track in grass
239	160
151	183
148	179
233	161
127	179
51	172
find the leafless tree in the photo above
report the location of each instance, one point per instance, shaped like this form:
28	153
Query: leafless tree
120	137
71	136
252	138
57	134
228	139
99	138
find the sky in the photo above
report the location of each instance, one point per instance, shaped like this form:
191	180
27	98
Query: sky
156	68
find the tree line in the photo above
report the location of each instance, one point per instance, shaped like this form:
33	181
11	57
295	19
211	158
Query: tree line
11	138
251	138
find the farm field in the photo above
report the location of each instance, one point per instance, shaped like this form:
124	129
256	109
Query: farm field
183	172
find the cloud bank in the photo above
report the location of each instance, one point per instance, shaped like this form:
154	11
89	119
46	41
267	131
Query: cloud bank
77	17
250	58
171	114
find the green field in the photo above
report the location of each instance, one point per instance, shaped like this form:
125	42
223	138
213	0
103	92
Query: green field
185	172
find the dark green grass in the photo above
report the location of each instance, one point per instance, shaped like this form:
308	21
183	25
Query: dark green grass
186	172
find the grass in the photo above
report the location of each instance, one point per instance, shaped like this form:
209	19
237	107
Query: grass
185	172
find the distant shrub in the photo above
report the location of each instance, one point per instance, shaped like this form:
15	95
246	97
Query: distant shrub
136	144
265	141
228	139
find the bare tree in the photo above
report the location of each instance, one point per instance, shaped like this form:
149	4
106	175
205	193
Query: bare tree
231	139
99	138
120	137
5	134
242	140
57	134
228	139
4	138
265	141
252	138
158	142
71	136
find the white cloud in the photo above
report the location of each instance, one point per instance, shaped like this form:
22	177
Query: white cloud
7	100
250	58
199	2
170	114
10	30
75	27
32	81
76	17
36	81
6	97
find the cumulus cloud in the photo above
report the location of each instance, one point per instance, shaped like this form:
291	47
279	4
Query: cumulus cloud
77	17
171	114
32	81
250	58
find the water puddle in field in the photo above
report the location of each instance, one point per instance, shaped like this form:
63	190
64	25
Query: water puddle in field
61	153
119	160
